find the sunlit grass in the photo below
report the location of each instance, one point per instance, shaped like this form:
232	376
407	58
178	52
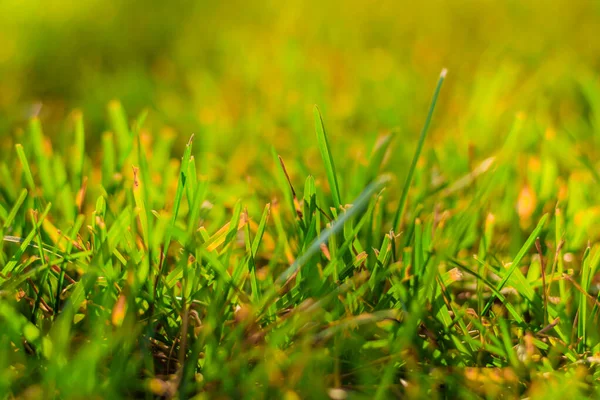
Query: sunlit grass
150	293
215	234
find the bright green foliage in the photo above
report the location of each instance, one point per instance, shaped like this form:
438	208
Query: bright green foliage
150	294
207	237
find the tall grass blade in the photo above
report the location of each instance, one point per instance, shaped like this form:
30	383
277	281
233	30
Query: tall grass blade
399	216
325	150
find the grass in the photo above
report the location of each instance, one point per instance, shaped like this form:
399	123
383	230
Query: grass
127	284
222	243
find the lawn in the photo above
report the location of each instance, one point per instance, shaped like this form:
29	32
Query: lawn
337	200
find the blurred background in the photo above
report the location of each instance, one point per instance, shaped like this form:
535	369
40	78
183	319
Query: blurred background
244	75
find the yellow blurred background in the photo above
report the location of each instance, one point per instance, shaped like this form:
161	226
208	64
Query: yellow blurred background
244	74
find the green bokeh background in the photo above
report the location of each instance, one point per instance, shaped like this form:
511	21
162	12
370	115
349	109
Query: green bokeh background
244	76
241	70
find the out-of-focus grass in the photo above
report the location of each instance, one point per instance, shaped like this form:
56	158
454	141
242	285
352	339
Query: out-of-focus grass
129	270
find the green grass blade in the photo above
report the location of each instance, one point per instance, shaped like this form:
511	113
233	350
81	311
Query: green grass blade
38	143
516	261
358	205
10	266
78	153
13	212
325	150
121	129
108	159
491	286
399	216
260	231
183	174
26	168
